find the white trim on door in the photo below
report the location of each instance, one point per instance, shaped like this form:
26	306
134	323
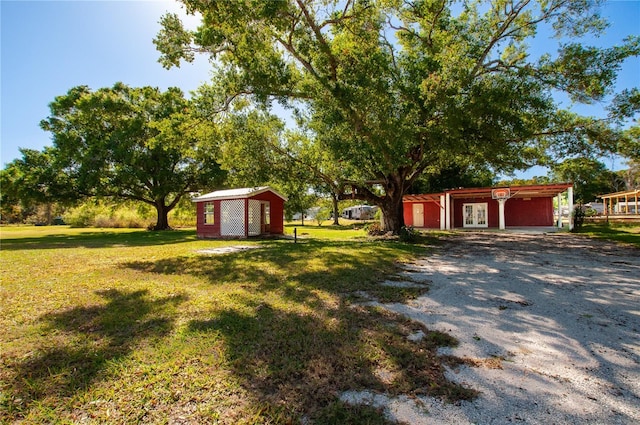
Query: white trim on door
418	215
475	215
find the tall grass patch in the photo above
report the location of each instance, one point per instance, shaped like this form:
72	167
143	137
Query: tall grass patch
133	215
126	326
108	215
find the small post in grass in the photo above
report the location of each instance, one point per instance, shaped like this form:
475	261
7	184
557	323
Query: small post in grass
295	235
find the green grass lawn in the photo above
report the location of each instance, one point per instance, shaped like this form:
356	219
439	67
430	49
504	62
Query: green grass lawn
125	326
349	230
625	233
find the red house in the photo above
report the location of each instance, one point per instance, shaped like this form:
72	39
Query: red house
240	213
496	207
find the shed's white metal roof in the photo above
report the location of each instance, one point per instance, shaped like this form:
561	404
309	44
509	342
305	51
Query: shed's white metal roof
241	193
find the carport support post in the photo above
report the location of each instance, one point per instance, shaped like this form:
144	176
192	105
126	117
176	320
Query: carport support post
501	222
447	211
443	213
559	210
570	201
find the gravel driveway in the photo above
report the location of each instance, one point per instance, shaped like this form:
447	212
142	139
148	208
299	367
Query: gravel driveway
558	315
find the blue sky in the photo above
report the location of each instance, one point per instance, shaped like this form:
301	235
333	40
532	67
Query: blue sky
47	47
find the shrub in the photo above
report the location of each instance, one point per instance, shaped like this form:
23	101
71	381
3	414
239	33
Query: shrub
374	229
409	234
578	217
83	215
104	221
323	214
129	218
183	215
378	215
591	212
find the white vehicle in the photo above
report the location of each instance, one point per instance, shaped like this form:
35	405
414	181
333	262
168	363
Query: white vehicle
359	212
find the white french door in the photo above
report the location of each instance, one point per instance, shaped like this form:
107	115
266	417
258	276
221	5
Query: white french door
475	215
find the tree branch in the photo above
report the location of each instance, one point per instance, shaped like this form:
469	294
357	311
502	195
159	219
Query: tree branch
324	46
358	191
434	22
510	16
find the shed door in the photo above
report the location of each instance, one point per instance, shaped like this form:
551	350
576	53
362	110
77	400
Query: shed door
418	215
265	217
475	215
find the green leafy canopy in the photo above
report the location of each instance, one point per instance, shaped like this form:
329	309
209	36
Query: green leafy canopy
140	144
394	89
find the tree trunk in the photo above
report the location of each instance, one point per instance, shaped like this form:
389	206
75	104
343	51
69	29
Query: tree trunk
48	215
336	212
162	222
390	204
392	213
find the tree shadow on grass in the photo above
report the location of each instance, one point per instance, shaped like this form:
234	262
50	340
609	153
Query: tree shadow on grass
294	340
103	239
336	266
91	337
310	225
296	365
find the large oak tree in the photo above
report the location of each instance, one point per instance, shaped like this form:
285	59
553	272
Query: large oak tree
398	88
139	144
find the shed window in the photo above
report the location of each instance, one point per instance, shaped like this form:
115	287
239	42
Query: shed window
208	213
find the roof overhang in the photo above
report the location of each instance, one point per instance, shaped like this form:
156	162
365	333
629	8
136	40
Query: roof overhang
627	193
430	197
531	191
241	193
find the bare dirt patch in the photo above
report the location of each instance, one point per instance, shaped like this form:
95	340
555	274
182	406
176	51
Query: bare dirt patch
560	312
228	249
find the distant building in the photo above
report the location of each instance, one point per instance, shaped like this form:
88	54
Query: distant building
622	203
359	212
309	214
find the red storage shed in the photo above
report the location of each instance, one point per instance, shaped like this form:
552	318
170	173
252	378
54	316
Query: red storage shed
240	213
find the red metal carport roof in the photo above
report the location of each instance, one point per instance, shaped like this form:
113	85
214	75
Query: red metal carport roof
530	191
434	197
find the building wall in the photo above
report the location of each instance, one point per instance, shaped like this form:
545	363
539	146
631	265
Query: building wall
517	212
492	210
407	213
431	214
276	211
529	212
208	230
